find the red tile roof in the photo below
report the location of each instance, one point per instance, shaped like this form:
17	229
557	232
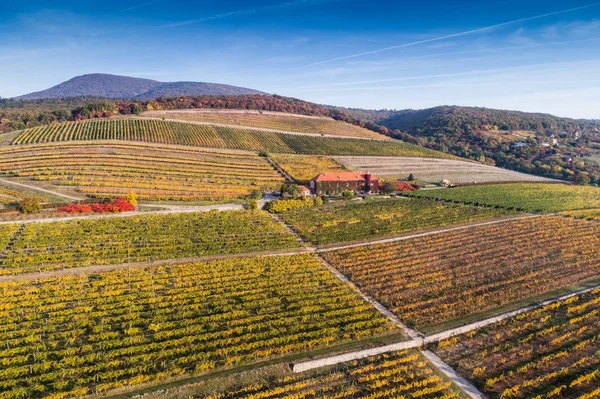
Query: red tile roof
304	189
340	176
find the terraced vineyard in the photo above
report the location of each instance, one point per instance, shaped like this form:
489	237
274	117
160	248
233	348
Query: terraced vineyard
8	196
154	172
270	120
303	168
589	214
444	277
529	197
57	245
551	352
75	335
7	232
435	170
405	374
372	219
165	132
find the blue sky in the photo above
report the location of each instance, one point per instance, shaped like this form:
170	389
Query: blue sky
526	55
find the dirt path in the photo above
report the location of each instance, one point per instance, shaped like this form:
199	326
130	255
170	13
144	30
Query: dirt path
428	233
409	332
41	190
449	372
423	341
233	111
170	209
262	129
166	262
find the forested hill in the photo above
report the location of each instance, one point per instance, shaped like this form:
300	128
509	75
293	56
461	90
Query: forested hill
471	119
541	144
125	87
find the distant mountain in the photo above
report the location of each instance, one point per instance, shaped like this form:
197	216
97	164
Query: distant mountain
128	88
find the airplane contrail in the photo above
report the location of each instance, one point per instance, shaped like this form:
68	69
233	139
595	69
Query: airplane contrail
140	5
454	35
295	3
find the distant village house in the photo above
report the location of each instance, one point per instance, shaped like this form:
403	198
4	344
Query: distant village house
304	191
332	183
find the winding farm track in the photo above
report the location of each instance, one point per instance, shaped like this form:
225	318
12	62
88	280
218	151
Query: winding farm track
43	190
263	129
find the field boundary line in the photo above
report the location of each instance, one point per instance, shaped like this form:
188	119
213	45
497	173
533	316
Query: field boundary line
426	340
190	209
41	189
346	357
233	111
414	335
333	136
427	233
449	372
495	319
161	262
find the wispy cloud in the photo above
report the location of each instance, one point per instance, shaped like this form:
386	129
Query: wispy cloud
249	11
535	67
452	36
140	5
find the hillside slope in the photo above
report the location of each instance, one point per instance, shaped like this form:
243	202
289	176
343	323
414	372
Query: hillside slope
214	136
540	144
269	120
125	87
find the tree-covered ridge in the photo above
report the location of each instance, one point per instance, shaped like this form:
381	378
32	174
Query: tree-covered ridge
540	144
19	114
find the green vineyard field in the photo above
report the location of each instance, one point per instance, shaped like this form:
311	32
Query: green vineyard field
405	374
356	221
78	243
435	279
550	352
74	335
165	132
529	197
153	172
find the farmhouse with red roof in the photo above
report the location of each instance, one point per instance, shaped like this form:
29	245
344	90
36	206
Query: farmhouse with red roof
331	183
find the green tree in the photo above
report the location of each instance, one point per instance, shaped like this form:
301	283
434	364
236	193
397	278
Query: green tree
30	205
582	178
388	188
256	195
290	189
252	204
347	194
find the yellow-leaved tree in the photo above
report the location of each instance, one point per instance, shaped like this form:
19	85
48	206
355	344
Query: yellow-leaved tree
132	198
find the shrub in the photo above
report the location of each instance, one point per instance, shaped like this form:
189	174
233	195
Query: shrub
402	186
30	205
256	195
287	205
251	204
132	198
347	194
117	206
388	188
